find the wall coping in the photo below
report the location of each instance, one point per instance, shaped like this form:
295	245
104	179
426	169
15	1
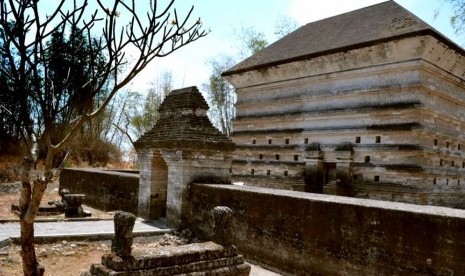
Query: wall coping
106	171
341	200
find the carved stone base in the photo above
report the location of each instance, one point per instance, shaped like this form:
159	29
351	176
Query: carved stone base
192	259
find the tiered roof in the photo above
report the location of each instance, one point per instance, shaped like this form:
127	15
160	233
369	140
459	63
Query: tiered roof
183	124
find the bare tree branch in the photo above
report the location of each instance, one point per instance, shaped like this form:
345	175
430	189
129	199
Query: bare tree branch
26	32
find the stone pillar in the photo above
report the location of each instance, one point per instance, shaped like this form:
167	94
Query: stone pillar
343	170
222	225
343	174
145	156
314	169
122	241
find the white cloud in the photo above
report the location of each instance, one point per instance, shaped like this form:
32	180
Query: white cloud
185	73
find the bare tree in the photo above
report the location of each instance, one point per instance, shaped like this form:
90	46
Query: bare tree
284	25
25	30
141	118
457	19
251	41
220	95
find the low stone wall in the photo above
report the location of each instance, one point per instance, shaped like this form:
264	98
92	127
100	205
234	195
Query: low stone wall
302	233
106	190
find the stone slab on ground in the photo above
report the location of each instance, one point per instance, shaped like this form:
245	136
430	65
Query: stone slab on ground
169	256
4	241
101	229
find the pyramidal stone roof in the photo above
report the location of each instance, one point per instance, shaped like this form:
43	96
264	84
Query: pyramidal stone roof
359	28
183	124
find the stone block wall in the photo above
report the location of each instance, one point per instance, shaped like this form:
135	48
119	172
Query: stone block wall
399	103
302	233
104	189
185	167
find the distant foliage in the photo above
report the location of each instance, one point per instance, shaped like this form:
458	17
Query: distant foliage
137	112
458	18
220	95
251	40
284	26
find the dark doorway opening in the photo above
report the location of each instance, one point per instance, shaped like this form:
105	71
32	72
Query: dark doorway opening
330	172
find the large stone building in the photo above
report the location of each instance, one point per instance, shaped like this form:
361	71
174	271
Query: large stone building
370	103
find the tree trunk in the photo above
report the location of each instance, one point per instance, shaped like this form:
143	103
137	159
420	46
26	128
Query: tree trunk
31	266
29	202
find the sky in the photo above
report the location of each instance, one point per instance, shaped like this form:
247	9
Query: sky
225	18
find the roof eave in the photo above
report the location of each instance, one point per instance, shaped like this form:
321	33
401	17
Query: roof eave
347	48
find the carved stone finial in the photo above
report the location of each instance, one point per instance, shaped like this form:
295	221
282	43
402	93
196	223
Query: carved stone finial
122	242
222	225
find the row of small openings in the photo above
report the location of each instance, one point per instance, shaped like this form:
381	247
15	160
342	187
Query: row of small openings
296	157
358	139
448	144
452	163
268	172
286	141
447	181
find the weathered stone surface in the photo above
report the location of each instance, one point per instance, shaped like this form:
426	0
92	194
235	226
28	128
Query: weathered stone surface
183	147
122	241
364	26
170	256
197	269
183	124
192	259
387	85
303	233
72	203
105	190
223	225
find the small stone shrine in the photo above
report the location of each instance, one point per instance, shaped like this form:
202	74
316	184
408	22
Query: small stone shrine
183	147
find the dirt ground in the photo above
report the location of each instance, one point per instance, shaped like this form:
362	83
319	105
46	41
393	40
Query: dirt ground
61	258
9	194
72	258
69	257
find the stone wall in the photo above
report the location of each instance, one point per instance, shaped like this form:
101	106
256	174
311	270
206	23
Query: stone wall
300	233
104	189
